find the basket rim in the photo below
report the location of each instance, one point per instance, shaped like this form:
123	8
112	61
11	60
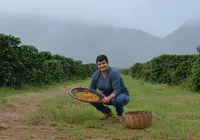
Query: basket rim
138	112
91	90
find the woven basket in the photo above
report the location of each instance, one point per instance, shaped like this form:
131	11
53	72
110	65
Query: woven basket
76	90
138	119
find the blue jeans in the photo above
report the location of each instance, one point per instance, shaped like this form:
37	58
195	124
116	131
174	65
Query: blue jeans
119	102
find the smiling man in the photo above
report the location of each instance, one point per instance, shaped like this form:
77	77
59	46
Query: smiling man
109	81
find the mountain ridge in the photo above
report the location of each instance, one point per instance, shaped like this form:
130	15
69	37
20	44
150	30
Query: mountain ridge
84	41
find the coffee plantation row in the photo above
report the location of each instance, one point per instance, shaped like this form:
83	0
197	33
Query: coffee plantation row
24	64
171	69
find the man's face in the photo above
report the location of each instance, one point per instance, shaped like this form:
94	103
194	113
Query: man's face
102	66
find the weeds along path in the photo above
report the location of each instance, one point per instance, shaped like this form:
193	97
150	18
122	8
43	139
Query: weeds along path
13	126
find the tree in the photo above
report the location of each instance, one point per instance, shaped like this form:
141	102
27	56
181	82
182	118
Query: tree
198	49
10	65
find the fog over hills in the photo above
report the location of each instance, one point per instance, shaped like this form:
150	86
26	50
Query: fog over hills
84	41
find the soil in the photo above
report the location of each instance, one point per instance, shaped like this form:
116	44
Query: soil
14	127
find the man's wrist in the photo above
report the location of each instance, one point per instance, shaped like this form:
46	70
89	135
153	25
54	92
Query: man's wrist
111	96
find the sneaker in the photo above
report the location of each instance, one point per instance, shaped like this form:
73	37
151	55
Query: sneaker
119	118
106	116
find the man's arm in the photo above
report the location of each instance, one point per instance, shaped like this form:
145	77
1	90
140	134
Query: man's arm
115	81
93	83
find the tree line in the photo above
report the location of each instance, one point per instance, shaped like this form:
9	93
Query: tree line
171	69
24	64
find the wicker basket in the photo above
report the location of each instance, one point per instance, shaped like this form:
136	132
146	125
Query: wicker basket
138	119
76	90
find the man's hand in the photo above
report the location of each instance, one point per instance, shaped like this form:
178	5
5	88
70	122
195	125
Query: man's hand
106	100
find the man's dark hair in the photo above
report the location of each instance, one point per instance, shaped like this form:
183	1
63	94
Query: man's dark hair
101	58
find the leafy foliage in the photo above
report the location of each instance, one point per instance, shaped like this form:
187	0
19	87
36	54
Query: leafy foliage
195	80
170	69
198	49
10	65
126	71
24	64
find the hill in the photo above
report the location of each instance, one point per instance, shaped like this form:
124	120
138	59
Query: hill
84	41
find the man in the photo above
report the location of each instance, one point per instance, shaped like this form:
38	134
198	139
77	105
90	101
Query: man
109	81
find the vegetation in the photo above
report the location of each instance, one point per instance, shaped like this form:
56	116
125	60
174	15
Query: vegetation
175	111
176	70
175	114
24	64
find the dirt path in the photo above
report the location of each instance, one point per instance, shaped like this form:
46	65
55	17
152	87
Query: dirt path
12	124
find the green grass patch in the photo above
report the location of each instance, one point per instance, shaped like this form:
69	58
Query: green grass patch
65	110
175	114
10	102
5	91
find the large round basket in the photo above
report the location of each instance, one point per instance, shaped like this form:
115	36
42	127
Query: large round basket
76	90
138	119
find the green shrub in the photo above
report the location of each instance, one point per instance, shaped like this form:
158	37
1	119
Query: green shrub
195	80
170	69
26	65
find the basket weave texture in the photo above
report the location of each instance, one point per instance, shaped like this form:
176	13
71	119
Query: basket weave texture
76	90
138	119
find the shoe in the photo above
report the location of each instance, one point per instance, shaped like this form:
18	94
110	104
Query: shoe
119	118
106	116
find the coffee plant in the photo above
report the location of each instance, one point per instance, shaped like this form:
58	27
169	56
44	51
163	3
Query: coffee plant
24	64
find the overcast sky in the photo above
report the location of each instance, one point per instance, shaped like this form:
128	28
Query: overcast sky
158	17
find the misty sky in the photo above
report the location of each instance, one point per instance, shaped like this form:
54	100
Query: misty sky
158	17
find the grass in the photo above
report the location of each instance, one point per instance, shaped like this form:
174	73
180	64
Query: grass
176	114
11	102
5	91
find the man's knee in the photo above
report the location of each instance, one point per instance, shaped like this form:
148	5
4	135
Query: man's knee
122	99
